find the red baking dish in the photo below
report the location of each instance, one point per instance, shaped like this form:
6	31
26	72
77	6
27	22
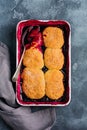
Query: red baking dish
65	26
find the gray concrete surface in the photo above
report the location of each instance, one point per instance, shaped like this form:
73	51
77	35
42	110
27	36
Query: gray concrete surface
73	116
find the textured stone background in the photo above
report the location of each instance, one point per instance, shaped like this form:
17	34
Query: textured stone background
73	116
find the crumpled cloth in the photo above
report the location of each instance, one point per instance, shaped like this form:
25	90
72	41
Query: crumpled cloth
16	116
